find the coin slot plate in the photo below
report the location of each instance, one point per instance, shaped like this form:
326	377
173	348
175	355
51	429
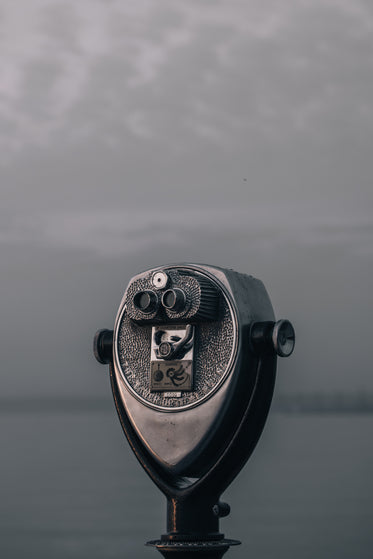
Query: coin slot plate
174	375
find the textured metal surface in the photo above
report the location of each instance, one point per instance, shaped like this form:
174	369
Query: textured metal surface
187	549
201	298
214	347
194	544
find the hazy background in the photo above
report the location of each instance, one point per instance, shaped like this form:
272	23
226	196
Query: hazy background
235	133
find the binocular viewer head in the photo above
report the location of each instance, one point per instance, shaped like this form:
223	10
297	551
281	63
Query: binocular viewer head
190	347
171	296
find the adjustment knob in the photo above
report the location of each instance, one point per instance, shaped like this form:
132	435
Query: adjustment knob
283	338
165	350
103	346
160	280
273	337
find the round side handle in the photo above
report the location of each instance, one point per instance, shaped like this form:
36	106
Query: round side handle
103	346
272	337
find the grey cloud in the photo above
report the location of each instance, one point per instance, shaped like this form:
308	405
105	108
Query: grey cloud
227	132
218	75
120	233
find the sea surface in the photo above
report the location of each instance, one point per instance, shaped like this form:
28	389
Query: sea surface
71	489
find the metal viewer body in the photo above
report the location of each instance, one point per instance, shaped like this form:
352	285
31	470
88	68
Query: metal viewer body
192	370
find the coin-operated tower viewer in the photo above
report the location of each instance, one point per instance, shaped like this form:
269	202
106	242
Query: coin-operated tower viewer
192	366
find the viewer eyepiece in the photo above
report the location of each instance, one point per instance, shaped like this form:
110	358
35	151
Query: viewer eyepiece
145	301
174	299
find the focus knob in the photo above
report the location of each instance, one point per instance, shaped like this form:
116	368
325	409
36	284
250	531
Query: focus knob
103	346
273	337
283	338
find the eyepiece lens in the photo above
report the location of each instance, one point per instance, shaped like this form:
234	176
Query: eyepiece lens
169	299
145	301
174	300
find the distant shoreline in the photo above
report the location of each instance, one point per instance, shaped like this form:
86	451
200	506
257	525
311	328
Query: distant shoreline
284	404
324	403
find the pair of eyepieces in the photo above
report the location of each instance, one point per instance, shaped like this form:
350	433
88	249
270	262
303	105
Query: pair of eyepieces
173	300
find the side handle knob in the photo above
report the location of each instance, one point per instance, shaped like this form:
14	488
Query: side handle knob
273	337
103	346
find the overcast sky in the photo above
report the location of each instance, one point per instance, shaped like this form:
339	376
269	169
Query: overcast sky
236	133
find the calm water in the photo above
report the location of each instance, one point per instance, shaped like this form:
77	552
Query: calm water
71	489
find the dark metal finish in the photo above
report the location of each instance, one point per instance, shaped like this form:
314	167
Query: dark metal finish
193	443
206	549
221	509
103	346
146	301
174	300
283	337
196	298
272	337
